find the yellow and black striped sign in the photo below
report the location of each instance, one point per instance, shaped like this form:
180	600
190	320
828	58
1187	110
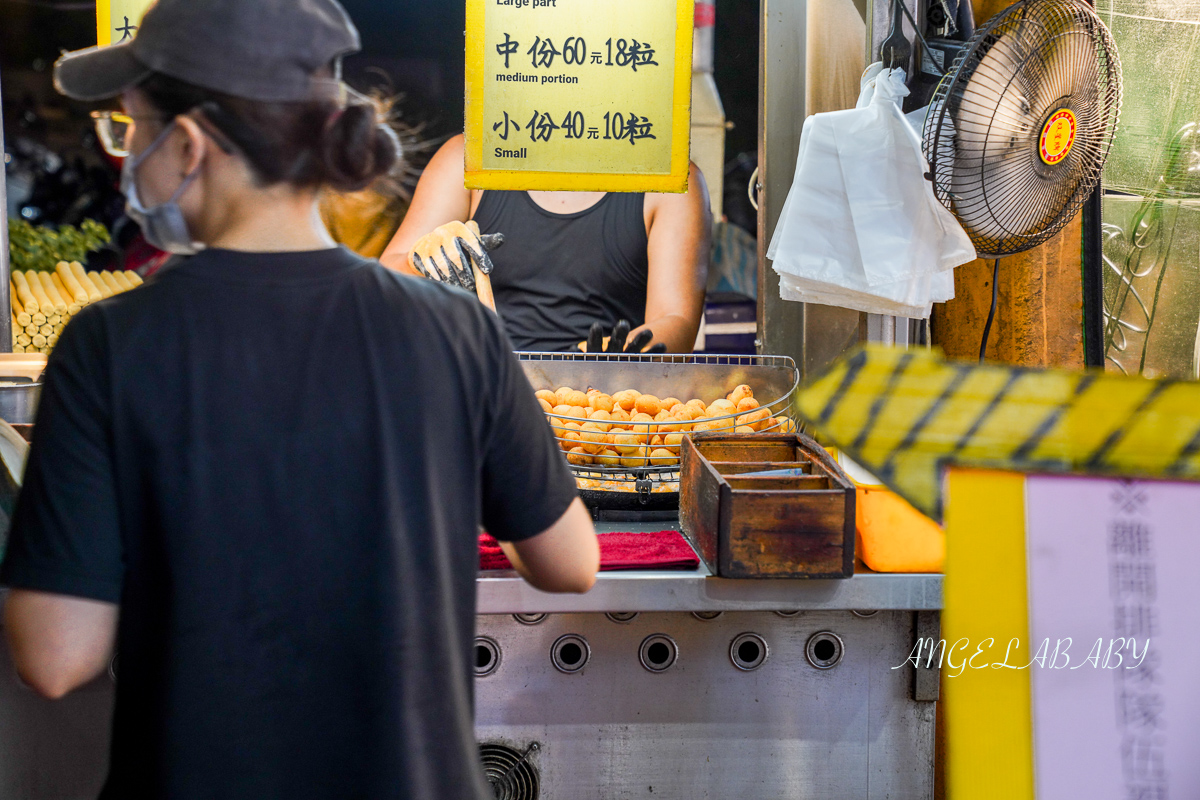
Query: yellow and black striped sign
906	414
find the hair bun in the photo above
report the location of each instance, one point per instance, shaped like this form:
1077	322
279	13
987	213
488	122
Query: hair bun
357	147
306	145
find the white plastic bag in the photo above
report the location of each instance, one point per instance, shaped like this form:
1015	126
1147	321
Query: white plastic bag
861	227
916	297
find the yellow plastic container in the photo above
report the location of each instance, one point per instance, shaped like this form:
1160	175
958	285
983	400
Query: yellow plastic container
895	536
892	535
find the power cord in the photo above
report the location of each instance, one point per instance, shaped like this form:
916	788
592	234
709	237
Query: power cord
987	327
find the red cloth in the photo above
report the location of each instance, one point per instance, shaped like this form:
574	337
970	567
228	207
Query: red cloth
618	550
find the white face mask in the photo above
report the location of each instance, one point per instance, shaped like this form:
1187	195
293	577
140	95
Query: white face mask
163	226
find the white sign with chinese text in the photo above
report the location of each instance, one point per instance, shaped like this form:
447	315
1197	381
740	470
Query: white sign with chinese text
1114	591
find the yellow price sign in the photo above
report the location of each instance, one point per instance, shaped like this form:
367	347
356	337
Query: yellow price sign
118	20
578	95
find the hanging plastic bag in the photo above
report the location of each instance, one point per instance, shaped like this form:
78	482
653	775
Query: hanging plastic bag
913	299
861	227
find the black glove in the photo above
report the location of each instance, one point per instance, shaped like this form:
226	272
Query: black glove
616	341
431	258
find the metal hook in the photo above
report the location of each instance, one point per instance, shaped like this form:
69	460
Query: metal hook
896	51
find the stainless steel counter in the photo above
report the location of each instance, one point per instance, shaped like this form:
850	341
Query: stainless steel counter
503	591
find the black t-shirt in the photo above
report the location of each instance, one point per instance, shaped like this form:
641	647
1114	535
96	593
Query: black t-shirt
558	273
278	465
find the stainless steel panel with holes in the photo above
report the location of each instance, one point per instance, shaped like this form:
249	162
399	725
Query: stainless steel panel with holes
721	721
927	677
812	335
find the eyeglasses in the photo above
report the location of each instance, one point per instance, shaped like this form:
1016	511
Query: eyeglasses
114	128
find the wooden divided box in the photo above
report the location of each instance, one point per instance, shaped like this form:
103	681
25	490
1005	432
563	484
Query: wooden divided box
766	506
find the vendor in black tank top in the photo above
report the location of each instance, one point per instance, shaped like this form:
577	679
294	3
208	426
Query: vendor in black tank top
572	259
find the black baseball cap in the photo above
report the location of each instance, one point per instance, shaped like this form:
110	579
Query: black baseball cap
267	50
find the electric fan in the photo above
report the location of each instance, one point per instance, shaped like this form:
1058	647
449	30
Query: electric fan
1020	127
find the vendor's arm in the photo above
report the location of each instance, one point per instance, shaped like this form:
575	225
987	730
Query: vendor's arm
58	643
680	235
440	198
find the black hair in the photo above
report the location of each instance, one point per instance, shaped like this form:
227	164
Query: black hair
308	144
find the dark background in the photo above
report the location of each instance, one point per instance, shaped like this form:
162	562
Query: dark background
413	49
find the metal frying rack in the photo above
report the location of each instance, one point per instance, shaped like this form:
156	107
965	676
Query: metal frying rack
773	380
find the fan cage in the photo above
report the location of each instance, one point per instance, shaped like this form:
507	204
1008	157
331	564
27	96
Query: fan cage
987	170
509	773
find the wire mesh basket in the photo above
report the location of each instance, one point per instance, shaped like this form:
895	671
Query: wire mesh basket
611	452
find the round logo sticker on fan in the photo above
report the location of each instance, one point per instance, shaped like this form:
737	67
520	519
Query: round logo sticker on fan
1058	135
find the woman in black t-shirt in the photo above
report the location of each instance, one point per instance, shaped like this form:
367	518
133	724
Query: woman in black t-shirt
274	459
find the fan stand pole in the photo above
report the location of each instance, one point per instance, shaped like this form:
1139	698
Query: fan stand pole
987	326
1093	275
1093	280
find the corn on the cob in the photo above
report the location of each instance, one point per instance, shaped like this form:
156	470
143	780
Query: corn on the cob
59	302
121	278
20	316
72	306
42	303
26	297
92	292
100	284
39	294
110	280
72	284
35	288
